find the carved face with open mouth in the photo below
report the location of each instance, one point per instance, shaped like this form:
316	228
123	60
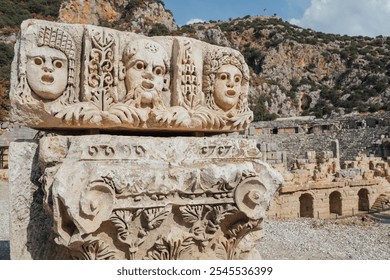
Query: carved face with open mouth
227	88
145	73
47	72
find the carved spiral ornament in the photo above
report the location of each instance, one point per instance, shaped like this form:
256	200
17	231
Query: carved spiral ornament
249	197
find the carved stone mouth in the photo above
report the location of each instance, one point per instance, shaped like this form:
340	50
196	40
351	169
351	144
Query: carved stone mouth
147	85
47	79
231	93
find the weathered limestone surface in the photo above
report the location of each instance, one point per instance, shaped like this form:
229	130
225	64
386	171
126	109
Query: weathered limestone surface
82	76
108	196
117	197
31	236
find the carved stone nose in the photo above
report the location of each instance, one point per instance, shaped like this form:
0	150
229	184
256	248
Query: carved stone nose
147	75
48	68
230	83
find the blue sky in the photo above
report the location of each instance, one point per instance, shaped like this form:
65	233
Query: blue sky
351	17
184	10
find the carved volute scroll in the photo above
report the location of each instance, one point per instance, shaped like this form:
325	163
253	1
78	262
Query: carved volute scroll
82	76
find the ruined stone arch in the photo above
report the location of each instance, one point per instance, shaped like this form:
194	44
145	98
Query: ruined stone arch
335	203
363	202
306	205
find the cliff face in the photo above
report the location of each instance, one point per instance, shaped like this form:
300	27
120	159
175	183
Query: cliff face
90	11
294	71
132	15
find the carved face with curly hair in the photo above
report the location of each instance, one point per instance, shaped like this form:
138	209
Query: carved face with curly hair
225	81
227	87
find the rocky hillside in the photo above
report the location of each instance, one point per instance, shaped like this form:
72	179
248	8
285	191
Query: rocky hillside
294	71
298	71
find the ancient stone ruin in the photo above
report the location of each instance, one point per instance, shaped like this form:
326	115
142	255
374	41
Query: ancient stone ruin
331	168
101	182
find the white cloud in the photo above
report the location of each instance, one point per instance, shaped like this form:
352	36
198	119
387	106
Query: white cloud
351	17
195	20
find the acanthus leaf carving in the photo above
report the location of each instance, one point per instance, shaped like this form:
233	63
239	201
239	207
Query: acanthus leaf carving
127	232
205	118
123	113
218	214
175	116
94	250
242	120
192	214
156	216
171	247
235	235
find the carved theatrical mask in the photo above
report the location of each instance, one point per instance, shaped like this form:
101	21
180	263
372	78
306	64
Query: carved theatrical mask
227	88
145	71
47	72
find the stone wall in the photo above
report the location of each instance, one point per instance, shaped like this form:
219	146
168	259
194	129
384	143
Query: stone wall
356	135
331	168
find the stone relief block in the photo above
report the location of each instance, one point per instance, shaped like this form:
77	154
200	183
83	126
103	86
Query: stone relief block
126	197
88	77
122	197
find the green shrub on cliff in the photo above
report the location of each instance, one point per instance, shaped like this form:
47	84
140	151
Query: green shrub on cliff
14	12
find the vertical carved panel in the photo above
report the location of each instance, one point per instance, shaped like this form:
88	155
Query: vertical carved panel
101	69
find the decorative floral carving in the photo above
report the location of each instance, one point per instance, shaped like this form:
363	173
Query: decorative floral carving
227	247
171	247
101	69
218	215
94	250
128	232
205	221
155	216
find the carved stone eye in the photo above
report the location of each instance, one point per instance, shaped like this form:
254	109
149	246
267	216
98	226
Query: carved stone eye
223	77
58	64
158	71
237	79
140	65
38	61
